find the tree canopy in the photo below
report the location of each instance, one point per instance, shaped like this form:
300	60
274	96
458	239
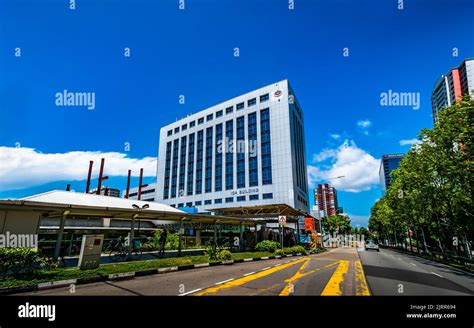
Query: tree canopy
431	190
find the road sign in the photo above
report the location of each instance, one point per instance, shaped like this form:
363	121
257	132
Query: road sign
309	224
282	220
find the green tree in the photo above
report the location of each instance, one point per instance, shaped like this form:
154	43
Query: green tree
431	190
338	223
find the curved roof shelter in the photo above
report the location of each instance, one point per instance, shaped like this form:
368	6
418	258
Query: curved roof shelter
94	200
23	215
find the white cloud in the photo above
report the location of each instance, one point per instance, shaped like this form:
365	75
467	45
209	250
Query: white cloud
324	155
335	136
364	124
359	168
413	141
27	167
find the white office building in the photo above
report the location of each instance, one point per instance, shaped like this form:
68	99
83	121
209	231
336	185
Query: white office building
246	151
148	193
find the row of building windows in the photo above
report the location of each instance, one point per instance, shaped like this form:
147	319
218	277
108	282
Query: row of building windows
227	200
203	166
303	200
144	192
220	113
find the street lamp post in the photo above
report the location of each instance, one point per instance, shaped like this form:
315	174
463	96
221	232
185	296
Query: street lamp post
132	227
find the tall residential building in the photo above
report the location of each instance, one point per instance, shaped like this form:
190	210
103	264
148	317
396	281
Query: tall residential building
453	86
246	151
387	165
325	200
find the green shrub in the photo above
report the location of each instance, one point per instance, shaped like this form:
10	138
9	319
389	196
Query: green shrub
212	253
299	249
279	252
267	246
148	247
225	255
172	240
18	260
294	250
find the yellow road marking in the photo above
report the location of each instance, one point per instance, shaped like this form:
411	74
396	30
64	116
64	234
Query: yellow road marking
263	290
362	288
299	274
334	285
246	279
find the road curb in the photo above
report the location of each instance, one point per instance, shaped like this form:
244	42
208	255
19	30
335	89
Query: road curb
21	289
91	279
55	284
121	276
131	274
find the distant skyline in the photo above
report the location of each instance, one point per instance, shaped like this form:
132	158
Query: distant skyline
141	60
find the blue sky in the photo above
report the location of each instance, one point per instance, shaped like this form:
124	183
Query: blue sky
191	52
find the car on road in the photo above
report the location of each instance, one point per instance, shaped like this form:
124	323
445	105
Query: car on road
371	245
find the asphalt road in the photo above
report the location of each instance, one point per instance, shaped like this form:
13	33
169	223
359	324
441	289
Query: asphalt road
390	272
342	271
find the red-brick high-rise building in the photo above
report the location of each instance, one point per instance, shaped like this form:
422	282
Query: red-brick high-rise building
325	199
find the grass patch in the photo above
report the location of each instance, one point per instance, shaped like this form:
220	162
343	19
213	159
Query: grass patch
106	269
247	255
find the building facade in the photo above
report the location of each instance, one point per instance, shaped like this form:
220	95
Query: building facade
387	165
106	191
148	193
246	151
451	87
325	200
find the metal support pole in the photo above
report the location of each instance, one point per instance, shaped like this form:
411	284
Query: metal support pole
180	236
59	239
140	185
256	235
215	233
99	184
128	184
281	237
88	184
132	236
241	241
198	237
297	232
